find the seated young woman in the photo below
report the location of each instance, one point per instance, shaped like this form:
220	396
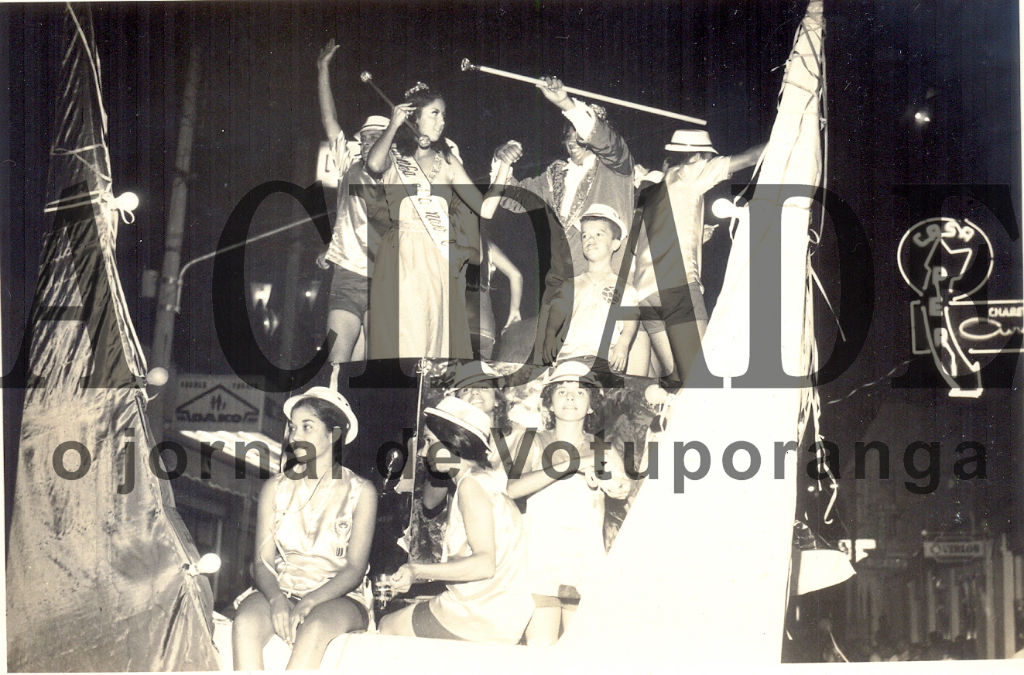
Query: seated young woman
314	527
484	551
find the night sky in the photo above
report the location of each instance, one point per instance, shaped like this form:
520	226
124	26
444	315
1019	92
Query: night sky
259	121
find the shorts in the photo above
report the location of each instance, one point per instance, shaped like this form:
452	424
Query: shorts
350	292
681	304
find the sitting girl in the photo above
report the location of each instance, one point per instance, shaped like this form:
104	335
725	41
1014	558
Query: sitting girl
314	526
484	552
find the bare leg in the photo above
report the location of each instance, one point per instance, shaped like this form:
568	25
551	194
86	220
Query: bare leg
398	623
346	326
684	339
325	622
250	632
639	355
359	351
544	626
663	353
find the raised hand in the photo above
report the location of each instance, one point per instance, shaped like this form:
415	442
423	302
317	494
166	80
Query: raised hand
400	113
553	91
510	152
326	54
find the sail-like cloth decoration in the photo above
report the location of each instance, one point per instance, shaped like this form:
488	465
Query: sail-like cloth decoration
97	580
700	570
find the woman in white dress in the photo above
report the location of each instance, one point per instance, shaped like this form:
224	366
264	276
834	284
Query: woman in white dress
417	298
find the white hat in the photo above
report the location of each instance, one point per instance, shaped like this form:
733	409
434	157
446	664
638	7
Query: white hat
467	416
375	122
608	213
333	397
473	372
690	140
570	371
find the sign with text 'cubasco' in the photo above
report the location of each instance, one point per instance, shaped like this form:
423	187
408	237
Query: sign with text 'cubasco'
217	403
950	551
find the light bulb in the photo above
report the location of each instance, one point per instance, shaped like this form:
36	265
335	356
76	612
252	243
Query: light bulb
127	201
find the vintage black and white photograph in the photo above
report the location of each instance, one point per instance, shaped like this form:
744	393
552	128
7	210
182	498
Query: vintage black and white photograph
518	335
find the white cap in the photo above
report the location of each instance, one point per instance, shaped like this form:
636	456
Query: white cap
608	213
333	397
570	371
690	140
467	416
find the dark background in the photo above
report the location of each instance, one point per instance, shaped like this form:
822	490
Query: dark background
258	120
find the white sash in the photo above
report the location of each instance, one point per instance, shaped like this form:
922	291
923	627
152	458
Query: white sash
434	219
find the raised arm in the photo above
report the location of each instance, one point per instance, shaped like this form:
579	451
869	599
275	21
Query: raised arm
484	205
328	114
377	161
592	131
746	158
515	281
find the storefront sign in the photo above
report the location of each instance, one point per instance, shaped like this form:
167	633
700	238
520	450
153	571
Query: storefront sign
954	550
217	403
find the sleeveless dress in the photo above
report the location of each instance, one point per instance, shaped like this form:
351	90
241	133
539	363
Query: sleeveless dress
412	313
565	528
311	532
495	609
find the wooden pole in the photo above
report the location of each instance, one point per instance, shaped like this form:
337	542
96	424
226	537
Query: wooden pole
167	298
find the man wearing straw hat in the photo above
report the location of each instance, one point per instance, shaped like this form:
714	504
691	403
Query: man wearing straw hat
359	223
598	170
668	254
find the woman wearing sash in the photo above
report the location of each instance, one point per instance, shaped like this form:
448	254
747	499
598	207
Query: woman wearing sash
417	299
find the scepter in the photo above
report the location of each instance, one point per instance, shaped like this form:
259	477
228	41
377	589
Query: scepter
466	65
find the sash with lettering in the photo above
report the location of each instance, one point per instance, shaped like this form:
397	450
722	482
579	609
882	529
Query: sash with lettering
428	206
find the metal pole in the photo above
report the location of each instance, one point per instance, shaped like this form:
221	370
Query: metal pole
167	298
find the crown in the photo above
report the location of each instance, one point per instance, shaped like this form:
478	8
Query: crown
418	87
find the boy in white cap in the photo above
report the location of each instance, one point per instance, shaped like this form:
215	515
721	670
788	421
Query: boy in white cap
667	272
581	307
359	224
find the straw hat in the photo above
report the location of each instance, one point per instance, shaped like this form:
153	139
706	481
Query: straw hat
469	417
333	397
690	140
375	123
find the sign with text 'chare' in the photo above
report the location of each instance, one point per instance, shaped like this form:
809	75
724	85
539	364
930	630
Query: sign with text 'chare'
217	403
